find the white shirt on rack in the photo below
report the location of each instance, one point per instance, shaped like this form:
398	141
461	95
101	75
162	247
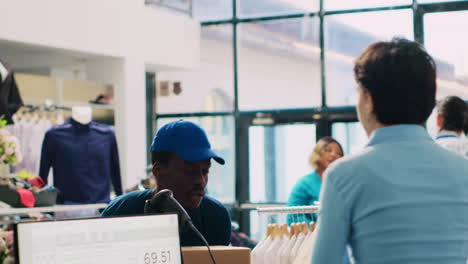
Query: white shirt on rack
286	252
297	245
304	253
269	256
259	253
256	252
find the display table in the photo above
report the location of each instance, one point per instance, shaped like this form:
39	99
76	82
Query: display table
55	208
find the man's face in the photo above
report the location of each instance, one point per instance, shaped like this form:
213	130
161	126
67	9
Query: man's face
187	180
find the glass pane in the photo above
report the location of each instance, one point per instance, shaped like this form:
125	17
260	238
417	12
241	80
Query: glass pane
205	10
351	136
438	1
207	89
278	157
253	8
279	64
220	131
355	4
182	6
346	36
447	44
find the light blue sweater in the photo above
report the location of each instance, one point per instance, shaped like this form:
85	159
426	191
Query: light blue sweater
403	199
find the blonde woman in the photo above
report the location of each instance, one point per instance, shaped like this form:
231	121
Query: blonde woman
307	190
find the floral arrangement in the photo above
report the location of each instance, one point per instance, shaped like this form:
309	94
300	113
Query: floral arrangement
6	247
9	146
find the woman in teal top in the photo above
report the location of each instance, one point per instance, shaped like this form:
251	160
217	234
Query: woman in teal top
307	190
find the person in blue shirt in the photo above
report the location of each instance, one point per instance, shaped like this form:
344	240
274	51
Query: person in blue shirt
403	198
181	155
307	190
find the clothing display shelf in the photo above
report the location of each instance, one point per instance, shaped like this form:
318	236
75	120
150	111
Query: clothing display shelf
55	208
288	210
44	90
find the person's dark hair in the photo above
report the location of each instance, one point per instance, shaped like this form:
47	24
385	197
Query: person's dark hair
401	79
162	157
454	112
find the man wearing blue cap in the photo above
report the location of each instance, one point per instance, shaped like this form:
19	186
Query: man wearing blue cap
181	155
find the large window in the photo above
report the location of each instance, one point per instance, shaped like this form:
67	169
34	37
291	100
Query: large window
351	136
354	4
279	64
256	8
446	42
276	75
207	10
279	156
346	36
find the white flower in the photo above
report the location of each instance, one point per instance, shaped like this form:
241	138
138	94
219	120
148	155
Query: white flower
4	132
9	151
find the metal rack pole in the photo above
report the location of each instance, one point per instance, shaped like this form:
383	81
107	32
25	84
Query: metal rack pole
289	210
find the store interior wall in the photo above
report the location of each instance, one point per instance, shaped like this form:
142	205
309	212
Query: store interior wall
111	42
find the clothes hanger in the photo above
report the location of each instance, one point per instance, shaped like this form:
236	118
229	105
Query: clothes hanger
276	231
284	230
312	226
269	231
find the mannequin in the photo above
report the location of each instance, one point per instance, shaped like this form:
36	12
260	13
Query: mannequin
82	114
3	72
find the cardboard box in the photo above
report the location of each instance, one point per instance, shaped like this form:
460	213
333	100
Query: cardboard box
222	255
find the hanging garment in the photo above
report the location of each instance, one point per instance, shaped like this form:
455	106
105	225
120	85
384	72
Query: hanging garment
304	253
10	98
283	253
30	134
269	255
297	245
85	161
259	251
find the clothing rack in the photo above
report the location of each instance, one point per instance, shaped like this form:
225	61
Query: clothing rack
49	108
288	210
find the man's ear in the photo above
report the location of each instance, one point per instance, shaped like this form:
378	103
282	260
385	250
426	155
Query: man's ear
156	170
439	121
369	103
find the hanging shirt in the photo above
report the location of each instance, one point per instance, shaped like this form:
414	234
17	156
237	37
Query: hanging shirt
259	251
284	255
305	192
256	252
269	256
451	141
10	99
402	199
85	161
211	218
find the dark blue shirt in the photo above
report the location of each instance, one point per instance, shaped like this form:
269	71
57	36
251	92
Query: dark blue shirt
84	159
211	218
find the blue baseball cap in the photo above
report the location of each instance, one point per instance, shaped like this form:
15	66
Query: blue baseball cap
187	140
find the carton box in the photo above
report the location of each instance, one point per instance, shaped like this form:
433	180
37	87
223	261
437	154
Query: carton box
222	255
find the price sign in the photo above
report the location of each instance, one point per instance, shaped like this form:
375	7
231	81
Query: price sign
158	256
